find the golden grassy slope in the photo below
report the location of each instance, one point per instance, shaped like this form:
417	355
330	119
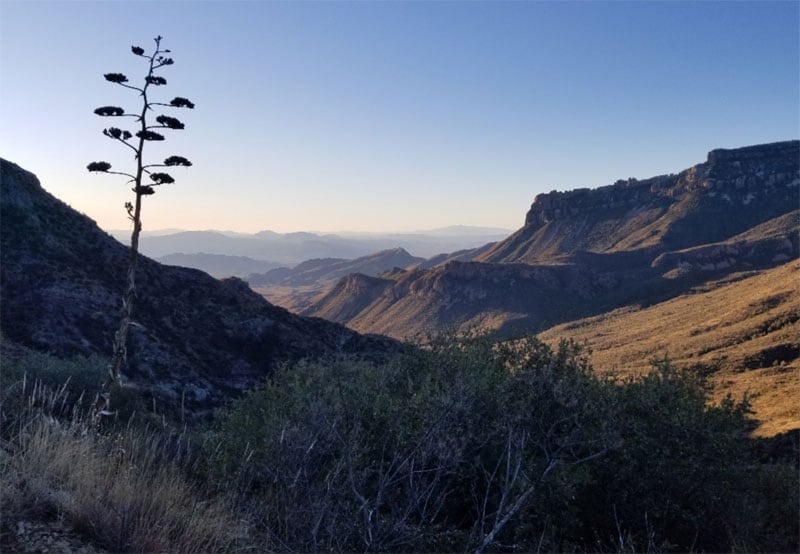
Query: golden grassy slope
747	327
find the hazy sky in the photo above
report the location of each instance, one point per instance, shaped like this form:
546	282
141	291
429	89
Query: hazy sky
392	115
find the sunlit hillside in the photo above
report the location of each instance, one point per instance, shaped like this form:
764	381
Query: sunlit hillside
745	331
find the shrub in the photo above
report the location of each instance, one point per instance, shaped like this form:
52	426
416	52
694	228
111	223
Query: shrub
684	476
438	450
471	445
467	445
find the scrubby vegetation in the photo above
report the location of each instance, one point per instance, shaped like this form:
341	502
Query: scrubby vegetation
126	488
464	446
474	446
744	330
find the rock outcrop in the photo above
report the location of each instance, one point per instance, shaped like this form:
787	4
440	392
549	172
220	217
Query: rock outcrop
731	192
762	170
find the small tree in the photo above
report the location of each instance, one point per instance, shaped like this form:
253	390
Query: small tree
136	141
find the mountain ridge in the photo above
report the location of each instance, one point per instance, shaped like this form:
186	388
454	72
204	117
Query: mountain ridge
635	214
595	250
321	270
219	265
299	287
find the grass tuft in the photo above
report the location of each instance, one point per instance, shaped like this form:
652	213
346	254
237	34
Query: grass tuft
123	489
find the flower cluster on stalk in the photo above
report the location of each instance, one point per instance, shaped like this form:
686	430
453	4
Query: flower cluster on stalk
145	133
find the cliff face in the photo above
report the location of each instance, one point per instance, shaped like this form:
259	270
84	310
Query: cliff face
193	336
764	170
729	193
553	206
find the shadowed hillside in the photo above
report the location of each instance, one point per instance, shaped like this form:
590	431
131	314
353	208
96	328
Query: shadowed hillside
195	339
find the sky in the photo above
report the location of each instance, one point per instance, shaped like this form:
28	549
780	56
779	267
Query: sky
391	116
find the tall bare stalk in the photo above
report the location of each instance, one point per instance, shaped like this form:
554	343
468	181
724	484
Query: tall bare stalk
144	134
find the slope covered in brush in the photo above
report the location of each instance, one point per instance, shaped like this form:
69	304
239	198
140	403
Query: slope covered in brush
742	331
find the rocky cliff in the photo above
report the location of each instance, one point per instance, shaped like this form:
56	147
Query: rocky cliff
194	338
730	192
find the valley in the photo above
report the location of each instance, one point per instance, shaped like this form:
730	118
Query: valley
585	252
699	265
632	273
390	277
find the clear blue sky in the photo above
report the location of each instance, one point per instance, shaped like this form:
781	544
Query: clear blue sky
393	116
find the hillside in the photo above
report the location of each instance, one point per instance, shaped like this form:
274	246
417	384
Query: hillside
585	252
297	288
743	330
194	338
508	297
322	270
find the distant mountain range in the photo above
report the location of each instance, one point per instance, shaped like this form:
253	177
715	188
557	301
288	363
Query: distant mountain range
195	339
290	249
219	265
584	252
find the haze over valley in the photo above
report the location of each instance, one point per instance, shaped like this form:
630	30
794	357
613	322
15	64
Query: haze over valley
198	248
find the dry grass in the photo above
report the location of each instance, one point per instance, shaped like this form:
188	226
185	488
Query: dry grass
119	489
746	331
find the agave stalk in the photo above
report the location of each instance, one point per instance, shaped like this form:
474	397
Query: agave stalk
144	134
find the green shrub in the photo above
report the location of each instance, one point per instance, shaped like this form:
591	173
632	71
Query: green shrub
438	450
684	477
470	445
465	445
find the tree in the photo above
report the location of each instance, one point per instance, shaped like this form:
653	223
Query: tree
144	133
